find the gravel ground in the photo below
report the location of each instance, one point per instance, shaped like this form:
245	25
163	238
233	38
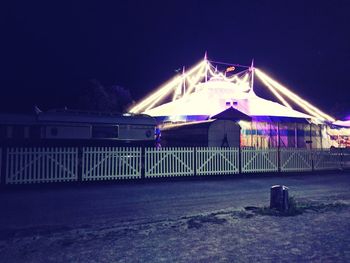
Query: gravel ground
216	232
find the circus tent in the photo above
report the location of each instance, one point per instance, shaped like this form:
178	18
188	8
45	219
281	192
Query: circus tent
214	97
203	92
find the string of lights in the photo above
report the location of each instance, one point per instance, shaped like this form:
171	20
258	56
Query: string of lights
183	85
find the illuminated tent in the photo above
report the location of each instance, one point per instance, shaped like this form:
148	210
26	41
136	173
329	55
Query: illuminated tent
203	92
340	134
342	123
214	97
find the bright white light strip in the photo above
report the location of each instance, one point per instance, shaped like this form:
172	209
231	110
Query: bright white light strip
294	98
155	96
177	92
305	105
281	99
159	94
202	69
193	82
302	103
160	97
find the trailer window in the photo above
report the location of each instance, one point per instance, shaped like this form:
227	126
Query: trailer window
105	132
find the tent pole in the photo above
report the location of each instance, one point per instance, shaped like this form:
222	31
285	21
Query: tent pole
206	66
252	80
183	81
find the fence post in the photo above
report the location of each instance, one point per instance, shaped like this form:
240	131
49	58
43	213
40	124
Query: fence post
194	161
80	163
143	162
279	159
240	159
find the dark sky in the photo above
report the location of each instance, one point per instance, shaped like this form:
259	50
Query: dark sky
50	49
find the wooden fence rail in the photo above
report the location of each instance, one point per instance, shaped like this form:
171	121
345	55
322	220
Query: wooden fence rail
107	163
216	160
170	161
326	160
41	165
259	160
295	160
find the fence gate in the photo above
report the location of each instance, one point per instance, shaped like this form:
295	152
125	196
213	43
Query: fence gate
293	159
39	165
259	160
326	159
170	161
106	163
216	160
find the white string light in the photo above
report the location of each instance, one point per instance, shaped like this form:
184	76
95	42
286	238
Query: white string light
200	72
295	98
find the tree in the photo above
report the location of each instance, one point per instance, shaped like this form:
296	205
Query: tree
120	96
96	97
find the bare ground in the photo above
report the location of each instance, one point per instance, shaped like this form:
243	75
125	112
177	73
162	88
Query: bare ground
226	234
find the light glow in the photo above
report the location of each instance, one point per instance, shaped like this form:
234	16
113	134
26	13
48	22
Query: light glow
152	99
295	98
278	96
187	84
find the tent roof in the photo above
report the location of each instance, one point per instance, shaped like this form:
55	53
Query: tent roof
231	114
213	98
342	123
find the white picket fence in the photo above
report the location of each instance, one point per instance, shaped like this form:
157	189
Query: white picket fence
41	165
216	160
60	164
165	162
259	160
294	160
107	163
326	160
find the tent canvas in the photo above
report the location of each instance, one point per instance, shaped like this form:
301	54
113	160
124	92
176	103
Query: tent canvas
213	98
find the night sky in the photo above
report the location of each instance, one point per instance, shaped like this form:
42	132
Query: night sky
50	49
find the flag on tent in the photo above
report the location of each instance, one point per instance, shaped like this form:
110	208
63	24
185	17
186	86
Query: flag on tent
232	68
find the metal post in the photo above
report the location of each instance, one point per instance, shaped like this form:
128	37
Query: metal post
240	159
